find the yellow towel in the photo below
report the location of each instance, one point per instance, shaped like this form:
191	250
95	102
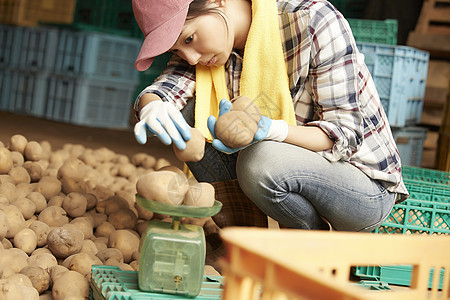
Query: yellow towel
264	77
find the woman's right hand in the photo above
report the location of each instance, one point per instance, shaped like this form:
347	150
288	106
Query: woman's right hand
165	121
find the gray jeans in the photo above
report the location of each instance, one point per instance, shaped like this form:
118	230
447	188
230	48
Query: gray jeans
298	187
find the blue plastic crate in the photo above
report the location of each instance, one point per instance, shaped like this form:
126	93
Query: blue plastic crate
23	92
35	48
5	85
113	284
102	55
7	49
89	101
409	142
399	73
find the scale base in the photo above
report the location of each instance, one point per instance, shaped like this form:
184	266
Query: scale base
172	261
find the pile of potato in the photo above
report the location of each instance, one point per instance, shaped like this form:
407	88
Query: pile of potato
62	211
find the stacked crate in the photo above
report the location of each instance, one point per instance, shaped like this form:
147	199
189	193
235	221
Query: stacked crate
80	77
400	74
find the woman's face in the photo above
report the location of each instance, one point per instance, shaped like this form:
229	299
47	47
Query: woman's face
205	40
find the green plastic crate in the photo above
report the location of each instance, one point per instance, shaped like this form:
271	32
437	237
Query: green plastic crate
374	31
426	211
426	175
110	16
110	283
397	275
350	8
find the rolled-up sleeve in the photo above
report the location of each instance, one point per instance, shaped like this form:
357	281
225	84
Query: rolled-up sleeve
334	81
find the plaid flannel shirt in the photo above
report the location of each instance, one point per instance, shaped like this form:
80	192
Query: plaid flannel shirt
330	86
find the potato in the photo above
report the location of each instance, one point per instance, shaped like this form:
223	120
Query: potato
26	207
15	221
26	240
9	191
3	225
126	241
39	201
18	143
70	185
19	175
235	128
48	186
43	260
75	204
109	253
123	218
18	159
70	284
6	161
89	247
56	272
82	263
33	151
200	194
5	178
143	214
72	168
39	277
54	216
82	223
12	260
10	290
161	162
34	169
112	204
163	186
104	229
195	147
56	201
64	242
21	279
243	103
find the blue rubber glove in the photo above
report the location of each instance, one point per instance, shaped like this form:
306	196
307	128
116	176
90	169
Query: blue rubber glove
268	129
165	121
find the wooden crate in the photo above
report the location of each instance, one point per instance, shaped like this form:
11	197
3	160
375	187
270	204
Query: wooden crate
34	12
432	31
443	153
303	264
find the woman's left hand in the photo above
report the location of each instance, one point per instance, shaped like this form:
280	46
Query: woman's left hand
268	129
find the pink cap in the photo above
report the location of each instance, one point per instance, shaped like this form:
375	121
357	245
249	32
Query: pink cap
161	22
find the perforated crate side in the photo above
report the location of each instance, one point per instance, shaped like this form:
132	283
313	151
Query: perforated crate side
425	174
400	89
113	284
70	52
374	31
409	142
8	49
89	101
110	56
36	48
26	93
5	86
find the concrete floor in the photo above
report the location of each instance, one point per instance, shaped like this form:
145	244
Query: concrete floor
121	141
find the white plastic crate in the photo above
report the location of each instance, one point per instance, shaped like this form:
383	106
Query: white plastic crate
34	48
5	80
399	73
409	142
89	101
24	92
107	56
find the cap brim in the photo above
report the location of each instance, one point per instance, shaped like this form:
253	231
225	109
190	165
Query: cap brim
160	40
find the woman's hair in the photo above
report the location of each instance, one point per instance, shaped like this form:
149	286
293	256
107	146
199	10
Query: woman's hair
201	7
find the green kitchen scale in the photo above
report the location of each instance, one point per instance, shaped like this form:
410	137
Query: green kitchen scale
172	259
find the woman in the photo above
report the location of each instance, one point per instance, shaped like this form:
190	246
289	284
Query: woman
327	155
